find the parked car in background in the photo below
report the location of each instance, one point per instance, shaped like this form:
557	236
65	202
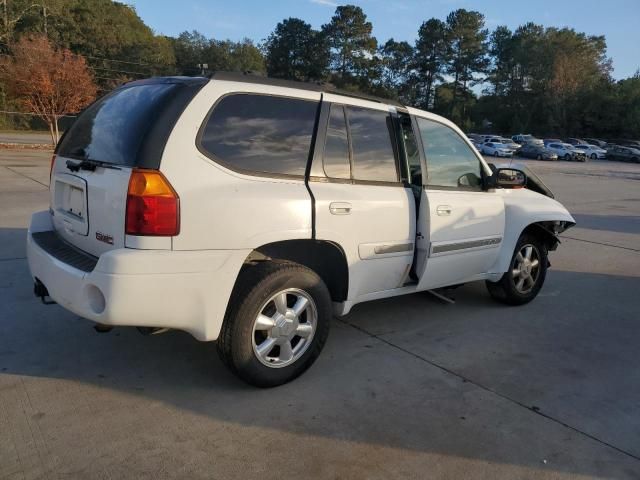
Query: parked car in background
547	141
521	139
566	151
496	150
575	141
624	154
592	151
507	142
597	142
536	151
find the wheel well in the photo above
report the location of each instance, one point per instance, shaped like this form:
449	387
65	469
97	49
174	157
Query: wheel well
327	259
544	231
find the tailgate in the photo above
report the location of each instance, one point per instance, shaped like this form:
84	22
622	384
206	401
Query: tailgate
88	207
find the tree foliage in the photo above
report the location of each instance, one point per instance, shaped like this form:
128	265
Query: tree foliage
295	51
47	82
548	81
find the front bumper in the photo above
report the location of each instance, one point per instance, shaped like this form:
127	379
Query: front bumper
184	290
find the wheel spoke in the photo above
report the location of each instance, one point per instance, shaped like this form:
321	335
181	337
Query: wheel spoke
519	258
535	263
304	330
300	306
528	251
529	281
264	323
515	272
265	347
286	352
520	283
281	303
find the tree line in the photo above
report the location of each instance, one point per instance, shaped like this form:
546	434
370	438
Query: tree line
542	80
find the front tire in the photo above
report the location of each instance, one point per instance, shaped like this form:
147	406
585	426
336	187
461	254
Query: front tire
527	271
594	156
276	324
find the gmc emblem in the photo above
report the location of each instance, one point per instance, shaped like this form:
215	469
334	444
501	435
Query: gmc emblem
104	238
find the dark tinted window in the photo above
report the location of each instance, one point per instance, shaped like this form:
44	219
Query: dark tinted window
450	161
371	134
336	147
261	133
113	128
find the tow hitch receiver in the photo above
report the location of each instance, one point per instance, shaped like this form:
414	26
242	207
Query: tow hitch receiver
40	291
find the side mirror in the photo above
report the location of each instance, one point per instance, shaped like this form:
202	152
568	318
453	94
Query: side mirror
509	178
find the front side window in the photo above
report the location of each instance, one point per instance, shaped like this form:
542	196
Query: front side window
260	133
450	161
373	154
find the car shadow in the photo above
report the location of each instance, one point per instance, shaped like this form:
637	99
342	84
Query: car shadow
409	373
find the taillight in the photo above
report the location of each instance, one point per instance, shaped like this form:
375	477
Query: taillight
153	207
53	161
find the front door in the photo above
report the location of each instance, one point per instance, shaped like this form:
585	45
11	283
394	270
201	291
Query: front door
460	225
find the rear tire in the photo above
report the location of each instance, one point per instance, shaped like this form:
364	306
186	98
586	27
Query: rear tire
567	157
594	156
277	323
539	157
527	271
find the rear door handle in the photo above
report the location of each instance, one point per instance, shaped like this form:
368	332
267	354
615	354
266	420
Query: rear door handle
443	210
340	208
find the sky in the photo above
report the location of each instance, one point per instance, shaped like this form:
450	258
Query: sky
617	20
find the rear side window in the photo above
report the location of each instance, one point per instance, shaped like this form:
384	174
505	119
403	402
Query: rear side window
260	133
115	128
373	154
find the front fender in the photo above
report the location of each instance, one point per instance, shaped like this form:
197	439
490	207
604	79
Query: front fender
523	208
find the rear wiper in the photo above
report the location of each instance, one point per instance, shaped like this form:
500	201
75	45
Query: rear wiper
86	164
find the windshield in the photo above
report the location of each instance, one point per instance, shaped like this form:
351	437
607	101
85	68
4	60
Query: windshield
114	128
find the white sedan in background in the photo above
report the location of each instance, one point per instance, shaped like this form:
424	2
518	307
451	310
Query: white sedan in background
566	151
592	151
496	150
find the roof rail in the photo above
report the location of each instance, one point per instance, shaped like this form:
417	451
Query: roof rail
252	77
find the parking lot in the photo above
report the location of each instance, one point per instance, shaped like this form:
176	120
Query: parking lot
407	387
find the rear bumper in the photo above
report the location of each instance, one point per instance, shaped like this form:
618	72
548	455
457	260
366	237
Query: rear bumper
185	290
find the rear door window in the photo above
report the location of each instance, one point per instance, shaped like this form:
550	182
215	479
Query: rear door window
371	143
260	133
336	148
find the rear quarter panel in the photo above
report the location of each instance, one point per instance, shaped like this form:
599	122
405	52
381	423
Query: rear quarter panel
224	209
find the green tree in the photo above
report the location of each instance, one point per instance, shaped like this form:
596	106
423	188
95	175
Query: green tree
296	51
467	42
395	63
430	57
353	48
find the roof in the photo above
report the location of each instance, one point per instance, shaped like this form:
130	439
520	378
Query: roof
324	87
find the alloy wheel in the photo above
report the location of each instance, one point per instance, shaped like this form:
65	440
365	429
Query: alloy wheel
284	328
526	268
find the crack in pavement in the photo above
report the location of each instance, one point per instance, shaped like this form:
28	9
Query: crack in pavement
27	177
601	243
530	408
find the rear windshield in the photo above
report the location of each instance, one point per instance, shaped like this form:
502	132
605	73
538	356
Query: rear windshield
114	129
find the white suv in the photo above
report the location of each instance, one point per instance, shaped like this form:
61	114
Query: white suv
249	210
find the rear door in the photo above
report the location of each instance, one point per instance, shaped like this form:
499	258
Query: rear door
126	129
360	202
460	225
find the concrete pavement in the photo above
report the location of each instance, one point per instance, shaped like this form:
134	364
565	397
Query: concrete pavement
405	388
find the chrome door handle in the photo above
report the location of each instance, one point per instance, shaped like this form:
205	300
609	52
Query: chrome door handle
443	210
340	208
